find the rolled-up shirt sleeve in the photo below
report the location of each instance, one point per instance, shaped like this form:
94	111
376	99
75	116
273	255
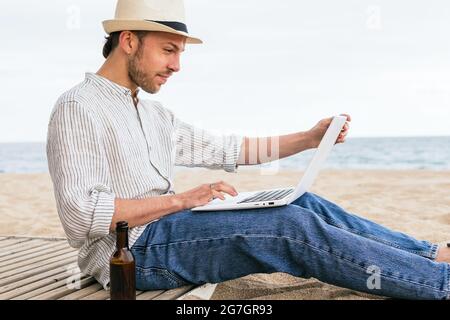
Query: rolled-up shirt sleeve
80	174
196	147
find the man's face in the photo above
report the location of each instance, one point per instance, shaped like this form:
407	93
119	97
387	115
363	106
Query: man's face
157	57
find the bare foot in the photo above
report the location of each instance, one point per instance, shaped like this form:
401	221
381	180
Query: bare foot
443	254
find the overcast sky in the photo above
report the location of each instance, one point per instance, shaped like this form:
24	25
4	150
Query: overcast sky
267	67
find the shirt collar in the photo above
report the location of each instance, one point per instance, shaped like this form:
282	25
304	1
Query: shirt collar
106	83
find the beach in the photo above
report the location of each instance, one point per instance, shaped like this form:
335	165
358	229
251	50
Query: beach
416	202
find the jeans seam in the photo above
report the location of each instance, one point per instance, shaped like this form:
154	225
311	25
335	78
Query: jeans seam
309	245
434	251
363	269
427	254
332	222
448	281
162	272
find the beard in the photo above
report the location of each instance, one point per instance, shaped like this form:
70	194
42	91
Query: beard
138	75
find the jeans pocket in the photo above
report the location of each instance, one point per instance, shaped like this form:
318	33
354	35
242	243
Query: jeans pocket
154	278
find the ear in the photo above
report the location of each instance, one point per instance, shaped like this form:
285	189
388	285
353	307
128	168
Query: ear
128	42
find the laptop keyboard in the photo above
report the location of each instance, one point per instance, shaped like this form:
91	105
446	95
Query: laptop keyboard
267	195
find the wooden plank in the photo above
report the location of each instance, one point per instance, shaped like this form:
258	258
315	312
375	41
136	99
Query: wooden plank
34	257
36	265
99	295
104	295
77	295
172	294
62	291
63	283
39	269
203	292
34	286
11	242
20	262
22	246
138	293
28	249
27	252
24	264
37	237
149	295
32	279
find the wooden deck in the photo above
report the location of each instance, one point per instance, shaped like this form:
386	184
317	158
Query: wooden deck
46	269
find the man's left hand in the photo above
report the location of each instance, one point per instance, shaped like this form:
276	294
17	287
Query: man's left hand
316	133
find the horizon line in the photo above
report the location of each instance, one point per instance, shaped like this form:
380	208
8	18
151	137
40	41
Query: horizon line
348	138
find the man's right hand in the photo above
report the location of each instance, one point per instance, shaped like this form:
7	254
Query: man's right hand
205	193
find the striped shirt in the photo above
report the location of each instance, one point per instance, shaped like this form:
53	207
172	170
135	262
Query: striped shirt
100	146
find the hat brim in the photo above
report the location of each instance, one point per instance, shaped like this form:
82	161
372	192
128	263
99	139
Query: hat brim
143	25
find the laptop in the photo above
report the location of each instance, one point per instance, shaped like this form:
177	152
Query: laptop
281	196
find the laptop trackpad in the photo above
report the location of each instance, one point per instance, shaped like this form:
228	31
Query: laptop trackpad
230	199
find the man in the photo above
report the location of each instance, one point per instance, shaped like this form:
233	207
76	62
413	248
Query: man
111	158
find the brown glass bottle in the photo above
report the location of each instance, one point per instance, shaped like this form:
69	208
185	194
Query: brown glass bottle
122	267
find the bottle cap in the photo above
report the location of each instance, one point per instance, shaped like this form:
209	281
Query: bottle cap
121	225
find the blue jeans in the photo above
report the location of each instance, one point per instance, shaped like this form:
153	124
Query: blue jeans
311	237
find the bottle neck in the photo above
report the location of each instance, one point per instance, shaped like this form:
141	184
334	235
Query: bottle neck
122	239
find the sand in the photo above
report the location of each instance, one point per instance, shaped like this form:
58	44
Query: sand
416	202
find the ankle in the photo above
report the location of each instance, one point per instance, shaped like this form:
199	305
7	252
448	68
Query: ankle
443	254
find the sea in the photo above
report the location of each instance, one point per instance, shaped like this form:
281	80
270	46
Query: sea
390	153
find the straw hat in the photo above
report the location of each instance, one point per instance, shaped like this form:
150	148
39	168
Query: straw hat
150	15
